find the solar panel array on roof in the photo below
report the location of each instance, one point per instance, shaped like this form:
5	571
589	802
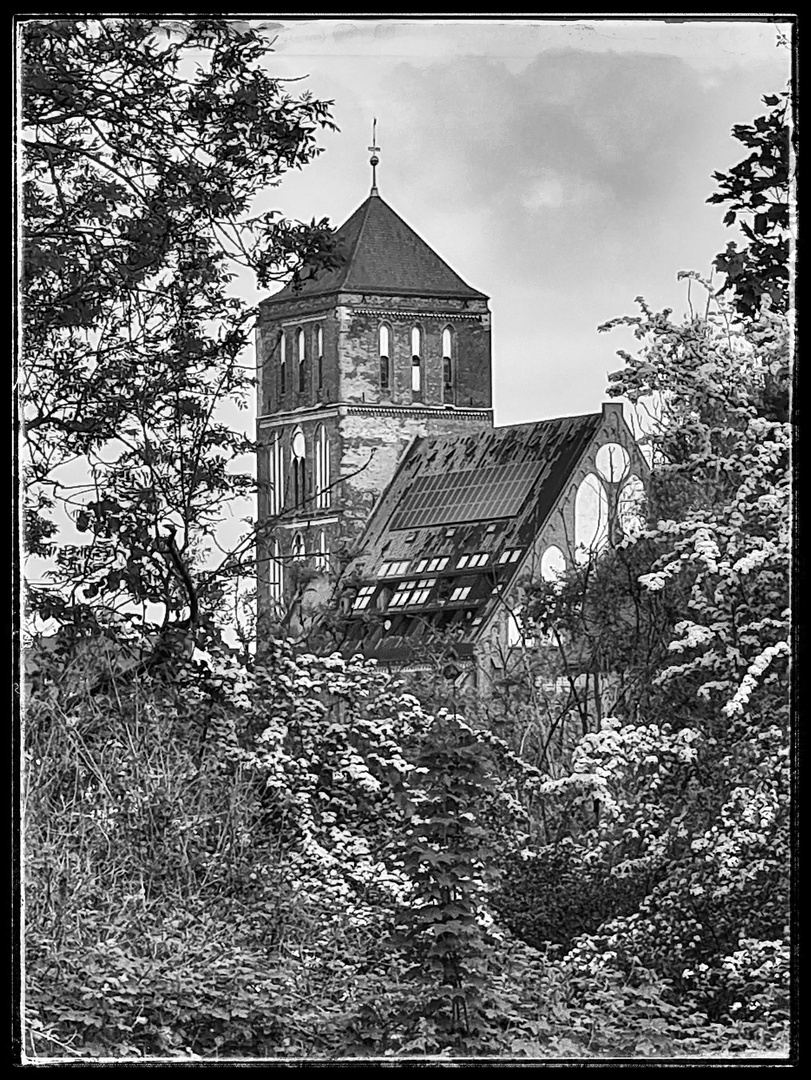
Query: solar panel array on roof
496	491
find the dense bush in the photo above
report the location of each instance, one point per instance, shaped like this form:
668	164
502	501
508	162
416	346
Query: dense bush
552	895
221	866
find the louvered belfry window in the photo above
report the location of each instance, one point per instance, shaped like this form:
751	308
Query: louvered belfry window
447	365
383	343
416	363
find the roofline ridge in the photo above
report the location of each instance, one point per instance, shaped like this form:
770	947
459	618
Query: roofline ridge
549	420
529	423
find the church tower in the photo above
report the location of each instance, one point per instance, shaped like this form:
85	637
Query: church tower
352	364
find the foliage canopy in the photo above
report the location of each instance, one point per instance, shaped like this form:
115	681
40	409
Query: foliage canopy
757	191
145	147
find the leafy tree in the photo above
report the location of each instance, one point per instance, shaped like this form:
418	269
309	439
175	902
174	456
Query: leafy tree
757	191
145	145
679	803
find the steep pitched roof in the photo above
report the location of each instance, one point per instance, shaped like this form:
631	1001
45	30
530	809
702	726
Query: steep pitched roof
434	525
383	255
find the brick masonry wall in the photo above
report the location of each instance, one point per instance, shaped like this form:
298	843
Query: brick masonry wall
307	315
350	325
366	445
469	323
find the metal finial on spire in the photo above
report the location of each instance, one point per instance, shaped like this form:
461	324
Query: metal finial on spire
374	159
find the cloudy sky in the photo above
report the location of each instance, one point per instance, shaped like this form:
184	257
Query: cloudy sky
560	167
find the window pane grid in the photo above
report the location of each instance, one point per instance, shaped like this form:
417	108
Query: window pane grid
364	596
470	495
432	565
392	569
480	558
412	592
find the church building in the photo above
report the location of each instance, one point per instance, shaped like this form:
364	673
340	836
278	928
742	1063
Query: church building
379	464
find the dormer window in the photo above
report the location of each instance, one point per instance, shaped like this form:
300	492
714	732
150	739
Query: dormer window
416	363
383	349
393	569
302	361
409	593
432	565
363	597
447	365
480	558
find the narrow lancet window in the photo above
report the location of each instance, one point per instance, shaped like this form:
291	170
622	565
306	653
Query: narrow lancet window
383	349
322	468
302	362
319	352
298	467
447	365
416	363
276	475
275	582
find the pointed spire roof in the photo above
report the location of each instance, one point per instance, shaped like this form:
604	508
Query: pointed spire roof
383	255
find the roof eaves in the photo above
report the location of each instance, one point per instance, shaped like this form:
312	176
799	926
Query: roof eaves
442	294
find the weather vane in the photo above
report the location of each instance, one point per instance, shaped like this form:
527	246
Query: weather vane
374	159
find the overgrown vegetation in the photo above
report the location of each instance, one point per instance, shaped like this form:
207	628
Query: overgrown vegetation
294	857
220	865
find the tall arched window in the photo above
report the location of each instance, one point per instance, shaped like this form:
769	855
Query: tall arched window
282	364
319	353
302	360
416	363
447	365
275	579
590	518
298	467
298	550
383	350
275	475
553	564
322	468
322	557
